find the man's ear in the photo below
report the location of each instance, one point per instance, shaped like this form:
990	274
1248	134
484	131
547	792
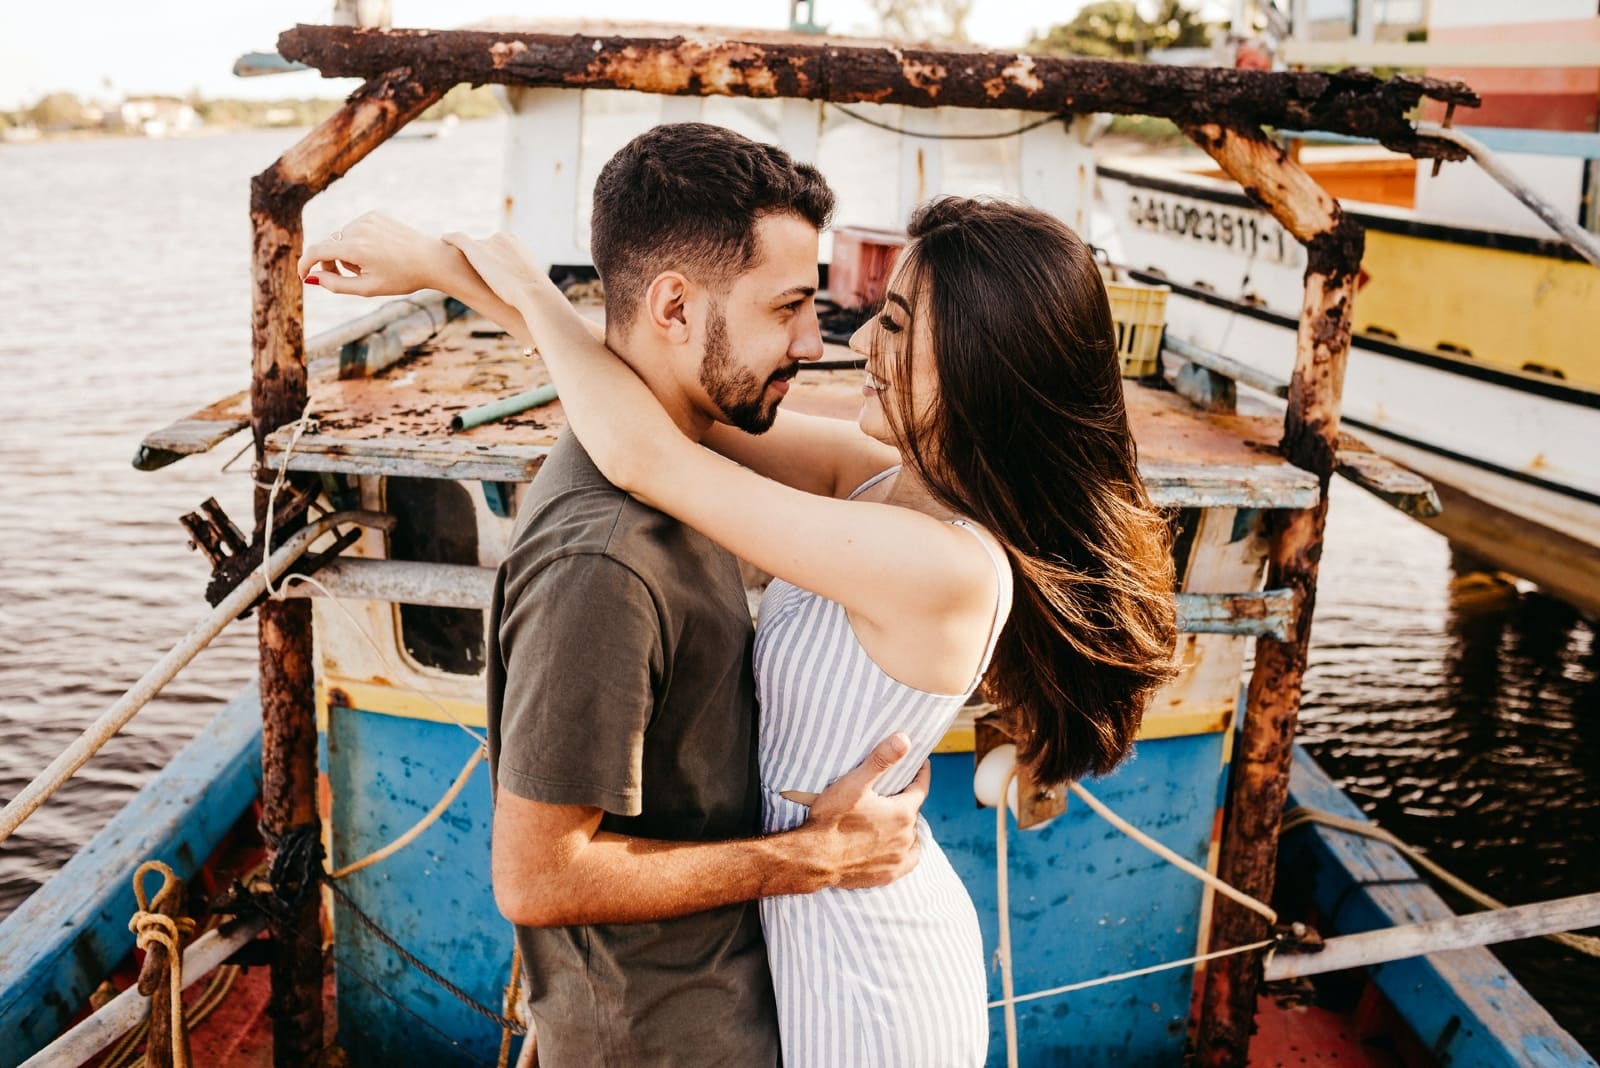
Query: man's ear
666	305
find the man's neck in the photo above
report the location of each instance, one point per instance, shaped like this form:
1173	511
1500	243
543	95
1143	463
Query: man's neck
656	373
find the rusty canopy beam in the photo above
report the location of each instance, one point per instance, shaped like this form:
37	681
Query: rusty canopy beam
278	393
1259	778
1352	102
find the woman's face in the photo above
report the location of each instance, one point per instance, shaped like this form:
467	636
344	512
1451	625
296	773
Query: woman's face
882	341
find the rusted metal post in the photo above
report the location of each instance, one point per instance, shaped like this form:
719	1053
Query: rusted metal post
1259	780
278	392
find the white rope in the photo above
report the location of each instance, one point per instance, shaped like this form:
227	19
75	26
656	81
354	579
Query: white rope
1003	904
421	825
1120	976
383	657
1262	909
97	734
272	494
1008	999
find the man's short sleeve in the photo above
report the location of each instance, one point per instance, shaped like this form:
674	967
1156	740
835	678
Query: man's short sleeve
583	656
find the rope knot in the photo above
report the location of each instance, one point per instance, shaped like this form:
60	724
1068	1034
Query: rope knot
153	928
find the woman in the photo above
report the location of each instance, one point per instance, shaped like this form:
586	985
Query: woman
1006	539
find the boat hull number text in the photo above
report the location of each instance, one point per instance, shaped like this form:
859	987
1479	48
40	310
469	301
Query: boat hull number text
1250	234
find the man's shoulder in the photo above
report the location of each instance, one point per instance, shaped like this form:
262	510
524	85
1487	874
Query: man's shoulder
571	511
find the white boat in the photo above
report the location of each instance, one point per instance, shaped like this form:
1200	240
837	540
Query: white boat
1474	360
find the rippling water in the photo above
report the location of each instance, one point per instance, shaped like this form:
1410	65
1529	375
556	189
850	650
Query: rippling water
1464	716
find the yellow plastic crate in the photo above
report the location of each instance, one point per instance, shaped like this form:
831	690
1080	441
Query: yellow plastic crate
1139	312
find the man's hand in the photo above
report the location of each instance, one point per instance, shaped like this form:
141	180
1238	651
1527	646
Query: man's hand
871	839
388	258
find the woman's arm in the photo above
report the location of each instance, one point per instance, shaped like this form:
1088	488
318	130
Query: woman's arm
815	453
390	258
855	553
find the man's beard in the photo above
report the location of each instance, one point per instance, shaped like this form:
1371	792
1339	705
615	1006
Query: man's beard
734	389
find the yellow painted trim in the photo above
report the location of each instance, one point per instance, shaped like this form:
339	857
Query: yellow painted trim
1561	302
961	737
390	701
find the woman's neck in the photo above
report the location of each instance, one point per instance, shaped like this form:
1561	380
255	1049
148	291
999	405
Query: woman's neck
908	489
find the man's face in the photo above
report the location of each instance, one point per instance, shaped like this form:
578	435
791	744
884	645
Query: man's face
758	332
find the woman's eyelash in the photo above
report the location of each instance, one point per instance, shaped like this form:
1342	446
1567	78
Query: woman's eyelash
888	324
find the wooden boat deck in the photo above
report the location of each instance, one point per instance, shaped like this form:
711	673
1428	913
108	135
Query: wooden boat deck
397	422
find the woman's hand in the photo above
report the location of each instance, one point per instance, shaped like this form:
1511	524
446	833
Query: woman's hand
387	258
504	263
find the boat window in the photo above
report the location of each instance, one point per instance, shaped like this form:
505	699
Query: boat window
435	524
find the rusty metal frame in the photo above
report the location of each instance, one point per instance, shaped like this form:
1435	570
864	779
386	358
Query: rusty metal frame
1223	111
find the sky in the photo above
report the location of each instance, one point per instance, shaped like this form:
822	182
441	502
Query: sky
105	49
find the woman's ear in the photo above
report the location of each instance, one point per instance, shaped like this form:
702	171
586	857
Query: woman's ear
666	305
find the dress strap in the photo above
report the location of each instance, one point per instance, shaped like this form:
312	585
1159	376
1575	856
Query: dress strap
873	481
1002	572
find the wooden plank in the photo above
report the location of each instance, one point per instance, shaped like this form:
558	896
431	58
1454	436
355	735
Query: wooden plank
195	433
1194	485
64	939
209	427
1464	1006
1357	462
1266	614
454	458
1387	480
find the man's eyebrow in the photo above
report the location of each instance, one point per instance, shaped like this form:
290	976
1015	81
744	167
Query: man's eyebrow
898	299
795	291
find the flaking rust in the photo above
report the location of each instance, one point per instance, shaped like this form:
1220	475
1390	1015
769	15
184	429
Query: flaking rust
1259	777
842	71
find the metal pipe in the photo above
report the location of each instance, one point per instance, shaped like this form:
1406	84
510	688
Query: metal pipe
403	582
1587	244
500	409
1438	936
123	1012
113	719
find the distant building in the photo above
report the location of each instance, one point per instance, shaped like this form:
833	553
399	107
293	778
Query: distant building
159	116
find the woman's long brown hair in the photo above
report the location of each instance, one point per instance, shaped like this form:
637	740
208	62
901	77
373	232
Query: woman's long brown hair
1029	437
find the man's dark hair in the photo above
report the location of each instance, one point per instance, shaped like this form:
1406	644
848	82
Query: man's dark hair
686	197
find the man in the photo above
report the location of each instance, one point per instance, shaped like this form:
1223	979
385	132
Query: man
621	699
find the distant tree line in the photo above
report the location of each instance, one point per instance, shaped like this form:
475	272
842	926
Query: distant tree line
63	112
1115	29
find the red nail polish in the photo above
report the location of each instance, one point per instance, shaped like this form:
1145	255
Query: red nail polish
311	280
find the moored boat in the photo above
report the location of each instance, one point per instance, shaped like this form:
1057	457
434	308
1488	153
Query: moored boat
1472	359
398	687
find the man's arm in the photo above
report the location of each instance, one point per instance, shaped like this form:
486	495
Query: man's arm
553	867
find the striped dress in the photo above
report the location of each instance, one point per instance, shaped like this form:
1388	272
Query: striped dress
891	976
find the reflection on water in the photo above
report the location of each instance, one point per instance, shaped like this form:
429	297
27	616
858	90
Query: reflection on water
1464	716
1461	715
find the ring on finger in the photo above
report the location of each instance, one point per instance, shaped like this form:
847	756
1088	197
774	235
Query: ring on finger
338	235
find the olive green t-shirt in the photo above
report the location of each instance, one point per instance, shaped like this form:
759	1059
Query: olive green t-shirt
619	677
